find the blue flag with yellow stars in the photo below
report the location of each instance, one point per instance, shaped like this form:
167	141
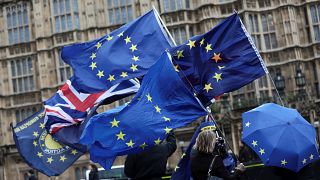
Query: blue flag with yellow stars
182	170
39	150
162	104
125	53
220	61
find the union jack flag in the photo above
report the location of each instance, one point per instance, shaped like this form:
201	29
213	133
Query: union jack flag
69	106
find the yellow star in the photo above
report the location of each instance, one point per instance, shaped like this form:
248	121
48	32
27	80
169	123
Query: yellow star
93	65
98	45
208	47
62	158
158	141
191	44
158	110
176	168
149	97
261	151
130	143
114	123
166	118
49	160
143	145
179	54
41	125
133	47
109	38
202	41
100	74
254	143
93	55
111	78
39	154
120	135
207	87
35	143
304	161
127	39
167	130
134	67
124	74
35	134
248	124
176	68
221	67
74	152
311	157
216	57
135	58
121	34
284	162
217	76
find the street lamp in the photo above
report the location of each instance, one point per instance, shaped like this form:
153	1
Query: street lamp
300	79
280	83
300	82
224	102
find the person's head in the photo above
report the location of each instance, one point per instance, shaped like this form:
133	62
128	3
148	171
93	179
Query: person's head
205	141
94	167
31	172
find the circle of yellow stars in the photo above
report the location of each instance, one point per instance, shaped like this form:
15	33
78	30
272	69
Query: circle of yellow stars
121	135
207	48
49	160
132	47
283	162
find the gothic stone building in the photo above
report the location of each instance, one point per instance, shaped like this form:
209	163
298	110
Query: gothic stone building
286	32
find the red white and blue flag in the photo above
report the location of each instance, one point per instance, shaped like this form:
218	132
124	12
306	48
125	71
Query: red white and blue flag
70	107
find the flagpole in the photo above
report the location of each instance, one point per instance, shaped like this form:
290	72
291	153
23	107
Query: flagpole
275	88
164	25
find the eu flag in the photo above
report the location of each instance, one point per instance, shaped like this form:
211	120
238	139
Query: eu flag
39	150
182	170
220	61
125	53
162	104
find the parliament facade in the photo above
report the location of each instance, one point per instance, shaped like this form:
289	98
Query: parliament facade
32	32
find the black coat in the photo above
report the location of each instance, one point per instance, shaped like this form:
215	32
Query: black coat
150	164
200	163
94	175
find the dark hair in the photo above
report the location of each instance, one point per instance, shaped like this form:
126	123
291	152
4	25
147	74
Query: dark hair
31	171
94	167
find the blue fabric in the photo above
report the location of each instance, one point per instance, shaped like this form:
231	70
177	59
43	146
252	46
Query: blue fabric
39	150
280	136
113	57
144	120
183	171
237	60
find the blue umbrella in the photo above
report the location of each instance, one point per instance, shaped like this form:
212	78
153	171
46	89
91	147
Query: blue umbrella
280	136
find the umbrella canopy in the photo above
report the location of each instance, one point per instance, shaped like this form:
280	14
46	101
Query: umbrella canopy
280	136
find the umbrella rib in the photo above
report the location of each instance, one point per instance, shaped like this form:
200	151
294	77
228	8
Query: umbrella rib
264	128
277	142
303	135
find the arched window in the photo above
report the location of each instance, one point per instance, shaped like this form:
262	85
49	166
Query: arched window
25	16
20	18
14	19
55	7
9	21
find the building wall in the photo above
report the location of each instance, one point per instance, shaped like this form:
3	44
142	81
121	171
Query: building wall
286	33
